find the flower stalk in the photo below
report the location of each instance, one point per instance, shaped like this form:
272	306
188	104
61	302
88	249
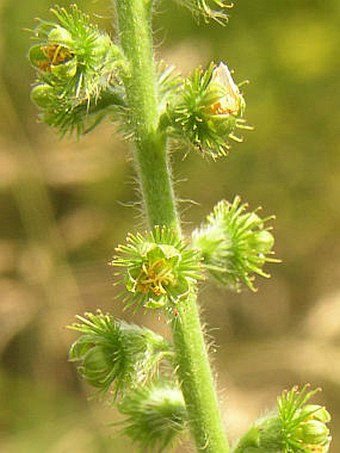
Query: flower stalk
195	376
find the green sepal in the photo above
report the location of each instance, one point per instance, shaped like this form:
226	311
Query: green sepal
156	303
43	95
66	70
59	35
36	56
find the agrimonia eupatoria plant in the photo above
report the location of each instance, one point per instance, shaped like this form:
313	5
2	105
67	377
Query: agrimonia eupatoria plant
164	389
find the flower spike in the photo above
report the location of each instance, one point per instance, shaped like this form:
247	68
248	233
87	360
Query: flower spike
157	268
234	244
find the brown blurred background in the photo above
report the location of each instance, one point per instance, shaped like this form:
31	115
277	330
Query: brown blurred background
66	204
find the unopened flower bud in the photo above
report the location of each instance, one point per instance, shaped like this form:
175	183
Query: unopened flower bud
156	415
115	356
208	111
234	244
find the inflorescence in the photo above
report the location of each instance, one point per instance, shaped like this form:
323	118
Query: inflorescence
79	80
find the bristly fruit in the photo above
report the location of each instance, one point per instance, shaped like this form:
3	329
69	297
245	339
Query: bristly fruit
156	416
234	244
114	356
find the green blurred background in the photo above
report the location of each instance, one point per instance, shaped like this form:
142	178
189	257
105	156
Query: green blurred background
66	204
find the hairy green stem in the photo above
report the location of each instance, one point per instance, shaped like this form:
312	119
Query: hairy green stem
153	170
134	24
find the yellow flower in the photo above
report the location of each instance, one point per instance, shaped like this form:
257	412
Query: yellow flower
229	102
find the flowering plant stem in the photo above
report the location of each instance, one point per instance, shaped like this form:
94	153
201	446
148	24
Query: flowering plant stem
197	383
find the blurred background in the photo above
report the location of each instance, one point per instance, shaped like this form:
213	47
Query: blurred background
66	204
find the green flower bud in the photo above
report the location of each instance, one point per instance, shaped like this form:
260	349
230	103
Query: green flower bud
97	365
115	356
157	268
262	241
303	425
102	45
207	112
234	244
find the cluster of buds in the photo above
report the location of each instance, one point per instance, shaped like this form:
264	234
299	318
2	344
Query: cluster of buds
79	81
207	112
76	67
234	244
296	427
157	268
